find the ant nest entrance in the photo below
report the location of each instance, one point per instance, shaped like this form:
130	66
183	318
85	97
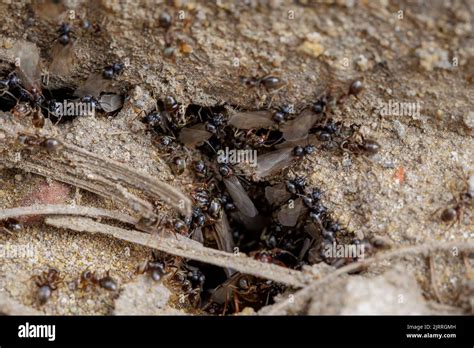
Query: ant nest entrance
247	198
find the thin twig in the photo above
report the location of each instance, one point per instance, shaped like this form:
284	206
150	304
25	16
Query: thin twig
141	181
306	293
184	247
66	210
434	280
78	163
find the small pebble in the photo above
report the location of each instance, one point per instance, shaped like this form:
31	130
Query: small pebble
7	43
346	162
468	119
362	63
399	128
313	49
185	48
388	164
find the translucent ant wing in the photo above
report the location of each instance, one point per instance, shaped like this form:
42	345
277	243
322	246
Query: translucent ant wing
62	59
224	238
197	235
291	212
310	139
194	135
304	249
312	230
93	86
272	162
299	127
224	292
240	197
277	194
252	119
27	59
111	102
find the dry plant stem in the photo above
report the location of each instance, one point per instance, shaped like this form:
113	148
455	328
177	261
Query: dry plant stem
434	280
148	184
66	210
93	183
302	296
85	165
104	188
185	247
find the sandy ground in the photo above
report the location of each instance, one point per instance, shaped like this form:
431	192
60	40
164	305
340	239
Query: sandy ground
419	55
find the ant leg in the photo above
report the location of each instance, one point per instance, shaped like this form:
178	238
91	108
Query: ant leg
236	304
226	302
271	101
133	119
10	95
436	211
59	120
7	231
453	222
459	214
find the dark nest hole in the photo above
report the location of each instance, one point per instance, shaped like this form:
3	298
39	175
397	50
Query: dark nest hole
263	237
46	100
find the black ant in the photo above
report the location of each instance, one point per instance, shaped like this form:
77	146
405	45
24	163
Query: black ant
319	106
190	281
459	202
215	208
359	145
356	87
270	82
198	219
93	101
47	282
50	145
33	98
165	20
200	169
154	266
113	70
282	113
89	277
180	227
300	151
11	82
275	256
297	185
160	120
170	104
201	197
64	34
155	120
215	125
178	165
